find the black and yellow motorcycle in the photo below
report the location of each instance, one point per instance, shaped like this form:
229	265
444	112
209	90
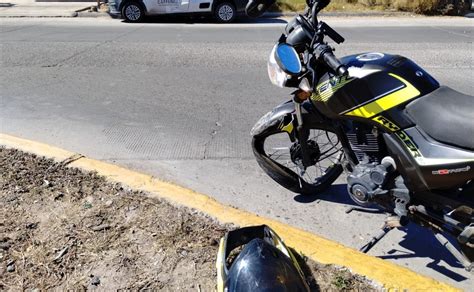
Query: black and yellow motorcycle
405	142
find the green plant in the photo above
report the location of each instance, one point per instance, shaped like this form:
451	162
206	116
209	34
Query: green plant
341	282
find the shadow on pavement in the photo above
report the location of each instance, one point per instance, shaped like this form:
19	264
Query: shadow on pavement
423	244
420	241
335	194
187	19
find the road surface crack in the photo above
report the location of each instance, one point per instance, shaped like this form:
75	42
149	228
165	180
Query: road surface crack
212	134
89	49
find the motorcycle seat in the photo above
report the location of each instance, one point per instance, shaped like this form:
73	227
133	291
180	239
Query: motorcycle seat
445	115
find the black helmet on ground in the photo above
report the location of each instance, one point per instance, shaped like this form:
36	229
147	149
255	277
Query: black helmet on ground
263	264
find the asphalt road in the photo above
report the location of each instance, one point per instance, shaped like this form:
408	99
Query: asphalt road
178	101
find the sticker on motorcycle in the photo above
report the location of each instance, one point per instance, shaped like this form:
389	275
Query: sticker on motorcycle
327	88
409	144
386	123
287	127
450	171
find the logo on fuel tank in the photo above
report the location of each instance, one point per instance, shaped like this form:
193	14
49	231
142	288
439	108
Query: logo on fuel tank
326	89
370	57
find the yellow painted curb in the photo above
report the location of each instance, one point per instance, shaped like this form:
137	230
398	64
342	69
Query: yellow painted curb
391	276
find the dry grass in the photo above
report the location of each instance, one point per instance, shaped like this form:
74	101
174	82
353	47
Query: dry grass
290	5
429	7
63	229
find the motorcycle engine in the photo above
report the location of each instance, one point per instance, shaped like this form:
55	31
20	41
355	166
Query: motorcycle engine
365	142
368	180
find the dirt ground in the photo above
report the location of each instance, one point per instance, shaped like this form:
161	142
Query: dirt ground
64	228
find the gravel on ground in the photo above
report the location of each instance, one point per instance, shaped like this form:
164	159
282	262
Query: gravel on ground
63	228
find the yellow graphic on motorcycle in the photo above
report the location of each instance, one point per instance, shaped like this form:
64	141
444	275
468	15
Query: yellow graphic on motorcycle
386	102
326	89
386	123
409	144
288	127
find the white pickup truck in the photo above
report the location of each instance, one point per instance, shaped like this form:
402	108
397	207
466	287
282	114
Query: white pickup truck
136	10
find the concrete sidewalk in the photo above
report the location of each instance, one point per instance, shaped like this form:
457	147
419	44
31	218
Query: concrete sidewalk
30	8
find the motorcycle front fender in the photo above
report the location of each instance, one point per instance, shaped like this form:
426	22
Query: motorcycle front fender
279	119
283	119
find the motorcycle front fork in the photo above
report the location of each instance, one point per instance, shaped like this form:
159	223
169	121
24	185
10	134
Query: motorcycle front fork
303	135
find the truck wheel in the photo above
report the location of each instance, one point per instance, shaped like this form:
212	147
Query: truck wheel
133	12
225	12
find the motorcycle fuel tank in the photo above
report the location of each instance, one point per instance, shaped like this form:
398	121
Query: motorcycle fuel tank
376	83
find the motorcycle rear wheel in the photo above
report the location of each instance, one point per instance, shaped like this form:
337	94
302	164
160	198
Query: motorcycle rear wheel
276	156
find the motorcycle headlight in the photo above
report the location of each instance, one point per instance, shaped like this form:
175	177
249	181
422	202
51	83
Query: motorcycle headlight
275	72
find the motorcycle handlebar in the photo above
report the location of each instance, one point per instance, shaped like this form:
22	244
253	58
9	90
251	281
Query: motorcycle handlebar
335	64
325	53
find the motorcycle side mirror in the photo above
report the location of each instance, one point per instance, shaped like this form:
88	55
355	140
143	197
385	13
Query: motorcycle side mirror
255	8
287	58
318	5
321	4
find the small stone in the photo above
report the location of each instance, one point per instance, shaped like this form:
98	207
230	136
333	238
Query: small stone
5	245
31	225
95	281
11	268
61	253
109	203
46	183
58	196
101	227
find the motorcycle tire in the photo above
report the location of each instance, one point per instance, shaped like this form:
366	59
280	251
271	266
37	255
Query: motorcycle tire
288	178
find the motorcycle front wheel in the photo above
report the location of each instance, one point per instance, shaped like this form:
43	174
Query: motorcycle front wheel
281	159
